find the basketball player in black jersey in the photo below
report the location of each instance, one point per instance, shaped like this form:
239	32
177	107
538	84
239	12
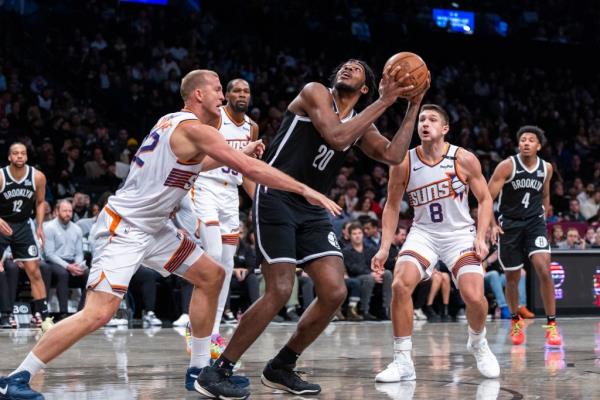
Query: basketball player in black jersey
318	129
523	182
22	190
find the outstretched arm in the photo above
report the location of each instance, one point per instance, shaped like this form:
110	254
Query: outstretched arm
501	174
377	147
391	213
208	141
471	168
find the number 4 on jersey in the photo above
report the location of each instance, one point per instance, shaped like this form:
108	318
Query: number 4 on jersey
525	200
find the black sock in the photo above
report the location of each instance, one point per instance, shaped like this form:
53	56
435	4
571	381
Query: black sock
514	316
551	318
223	362
286	356
445	312
41	306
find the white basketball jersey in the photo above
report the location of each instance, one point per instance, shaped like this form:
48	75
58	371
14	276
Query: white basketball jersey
237	135
157	180
438	195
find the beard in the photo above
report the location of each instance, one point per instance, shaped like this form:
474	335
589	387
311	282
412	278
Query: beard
343	87
240	107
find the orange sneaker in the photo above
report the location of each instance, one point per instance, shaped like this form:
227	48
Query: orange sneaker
553	338
516	332
525	313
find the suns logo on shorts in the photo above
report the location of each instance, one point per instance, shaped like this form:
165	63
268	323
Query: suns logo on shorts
32	250
541	241
333	240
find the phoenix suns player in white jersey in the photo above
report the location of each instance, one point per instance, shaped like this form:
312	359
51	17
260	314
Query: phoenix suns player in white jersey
437	177
215	193
132	229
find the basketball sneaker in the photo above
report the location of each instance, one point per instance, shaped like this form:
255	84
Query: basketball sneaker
217	346
517	335
16	387
183	320
553	338
192	374
36	320
215	383
47	324
397	371
284	377
150	319
486	360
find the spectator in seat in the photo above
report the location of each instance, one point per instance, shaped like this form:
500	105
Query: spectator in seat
573	241
591	205
397	242
574	213
64	256
558	235
9	276
143	285
372	234
357	259
81	206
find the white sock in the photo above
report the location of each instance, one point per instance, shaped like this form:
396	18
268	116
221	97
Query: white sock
402	348
475	336
31	364
200	352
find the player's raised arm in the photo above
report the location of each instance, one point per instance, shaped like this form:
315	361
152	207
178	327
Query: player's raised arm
208	140
315	101
391	212
377	147
471	173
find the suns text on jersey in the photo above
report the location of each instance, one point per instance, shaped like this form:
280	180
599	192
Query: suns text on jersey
433	191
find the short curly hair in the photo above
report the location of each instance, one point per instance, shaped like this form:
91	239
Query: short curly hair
536	130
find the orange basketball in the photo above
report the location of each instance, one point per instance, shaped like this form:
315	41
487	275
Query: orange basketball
412	64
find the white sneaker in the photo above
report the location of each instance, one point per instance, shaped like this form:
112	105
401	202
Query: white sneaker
112	322
419	315
397	371
486	360
183	320
151	320
398	390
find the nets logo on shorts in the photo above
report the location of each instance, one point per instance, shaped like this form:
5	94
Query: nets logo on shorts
333	240
32	250
541	242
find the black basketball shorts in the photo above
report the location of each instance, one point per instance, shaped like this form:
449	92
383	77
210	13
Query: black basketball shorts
521	240
289	230
22	242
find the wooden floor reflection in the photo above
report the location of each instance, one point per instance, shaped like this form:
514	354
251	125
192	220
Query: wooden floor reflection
150	364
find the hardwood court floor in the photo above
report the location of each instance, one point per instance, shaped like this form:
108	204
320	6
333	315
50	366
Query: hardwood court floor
150	364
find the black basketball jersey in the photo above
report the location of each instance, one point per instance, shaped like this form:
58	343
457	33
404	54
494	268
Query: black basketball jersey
522	194
300	151
17	198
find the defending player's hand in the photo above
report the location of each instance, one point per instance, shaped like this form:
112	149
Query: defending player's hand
481	248
495	233
391	88
318	199
5	228
254	149
419	97
378	261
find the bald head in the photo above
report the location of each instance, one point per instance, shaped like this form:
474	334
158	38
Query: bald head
194	80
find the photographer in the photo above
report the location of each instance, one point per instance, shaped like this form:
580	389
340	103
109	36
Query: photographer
573	241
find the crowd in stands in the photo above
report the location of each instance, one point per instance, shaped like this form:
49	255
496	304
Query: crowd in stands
82	85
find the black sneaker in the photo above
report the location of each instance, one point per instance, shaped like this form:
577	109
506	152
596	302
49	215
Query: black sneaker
367	316
432	316
214	383
5	322
287	379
